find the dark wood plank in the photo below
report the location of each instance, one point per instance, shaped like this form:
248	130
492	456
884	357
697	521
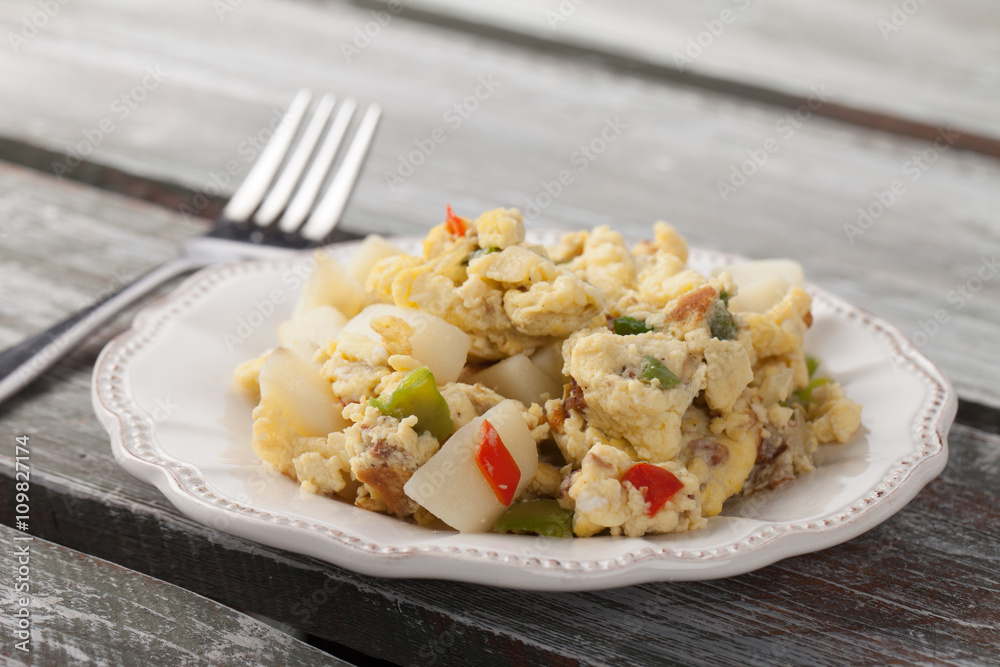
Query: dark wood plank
83	609
111	179
920	588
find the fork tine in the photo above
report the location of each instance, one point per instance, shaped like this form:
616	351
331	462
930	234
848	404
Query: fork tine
306	195
277	199
251	191
331	206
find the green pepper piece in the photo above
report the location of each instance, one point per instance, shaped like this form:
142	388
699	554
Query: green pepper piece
804	396
653	369
476	254
721	323
542	517
417	395
812	363
630	326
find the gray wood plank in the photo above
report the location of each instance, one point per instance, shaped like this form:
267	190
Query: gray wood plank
920	589
907	584
84	610
934	63
225	84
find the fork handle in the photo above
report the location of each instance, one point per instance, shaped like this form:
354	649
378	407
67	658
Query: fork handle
23	363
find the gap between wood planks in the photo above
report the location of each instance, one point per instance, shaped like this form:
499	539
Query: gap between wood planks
174	196
616	62
111	179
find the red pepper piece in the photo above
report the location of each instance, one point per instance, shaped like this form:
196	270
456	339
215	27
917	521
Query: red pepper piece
496	464
657	485
455	225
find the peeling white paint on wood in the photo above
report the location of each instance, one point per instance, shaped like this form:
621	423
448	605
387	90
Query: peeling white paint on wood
88	611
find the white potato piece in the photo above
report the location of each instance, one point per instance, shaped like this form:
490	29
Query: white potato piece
301	347
371	250
311	331
330	284
306	398
758	297
549	360
751	271
451	485
440	346
516	377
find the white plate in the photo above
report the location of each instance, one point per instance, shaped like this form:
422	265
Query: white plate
164	392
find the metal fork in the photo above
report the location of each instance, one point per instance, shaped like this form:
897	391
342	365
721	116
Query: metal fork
244	229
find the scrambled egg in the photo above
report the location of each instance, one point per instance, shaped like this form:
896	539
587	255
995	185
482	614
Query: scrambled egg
510	298
606	367
599	499
384	451
319	463
721	401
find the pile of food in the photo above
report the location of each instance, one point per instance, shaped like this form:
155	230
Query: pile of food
586	387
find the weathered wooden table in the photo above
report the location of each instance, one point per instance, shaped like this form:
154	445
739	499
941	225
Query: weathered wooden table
860	138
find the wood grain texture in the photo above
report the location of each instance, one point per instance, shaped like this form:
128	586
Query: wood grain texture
226	83
921	588
928	64
84	610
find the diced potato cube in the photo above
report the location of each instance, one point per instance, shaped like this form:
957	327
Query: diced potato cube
311	331
371	250
440	346
751	271
516	377
758	297
303	395
762	283
452	487
330	284
549	360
